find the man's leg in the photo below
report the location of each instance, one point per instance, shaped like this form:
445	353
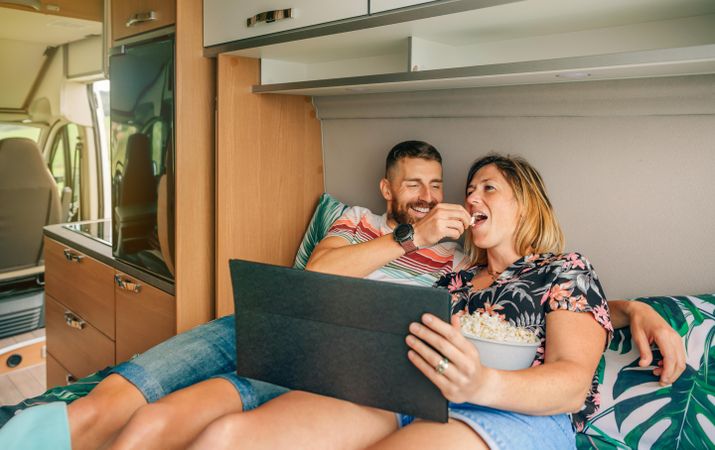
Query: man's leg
181	361
95	418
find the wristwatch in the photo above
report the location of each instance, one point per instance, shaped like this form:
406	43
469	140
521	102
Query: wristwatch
404	235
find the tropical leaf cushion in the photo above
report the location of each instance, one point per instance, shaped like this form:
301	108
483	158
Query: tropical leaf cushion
636	412
327	212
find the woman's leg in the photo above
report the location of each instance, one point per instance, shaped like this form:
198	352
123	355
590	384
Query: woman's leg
299	420
177	419
432	435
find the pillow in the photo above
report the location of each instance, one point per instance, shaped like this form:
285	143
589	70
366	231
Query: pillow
44	426
636	412
327	212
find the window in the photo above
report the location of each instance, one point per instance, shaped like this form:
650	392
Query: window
65	164
8	130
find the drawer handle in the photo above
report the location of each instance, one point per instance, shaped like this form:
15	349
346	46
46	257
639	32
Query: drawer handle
72	255
73	321
140	18
270	16
70	379
127	285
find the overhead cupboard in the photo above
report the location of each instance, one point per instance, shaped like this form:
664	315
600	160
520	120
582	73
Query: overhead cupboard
229	20
351	46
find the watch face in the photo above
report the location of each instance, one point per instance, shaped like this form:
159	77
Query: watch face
403	231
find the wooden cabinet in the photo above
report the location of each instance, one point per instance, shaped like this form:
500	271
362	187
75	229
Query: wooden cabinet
130	17
56	374
78	9
146	316
229	20
82	284
97	316
81	348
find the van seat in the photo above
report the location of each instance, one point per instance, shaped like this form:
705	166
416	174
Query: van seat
28	201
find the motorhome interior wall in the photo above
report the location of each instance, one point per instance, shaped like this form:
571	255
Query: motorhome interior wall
628	163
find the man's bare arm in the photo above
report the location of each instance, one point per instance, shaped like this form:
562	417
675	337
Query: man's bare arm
337	256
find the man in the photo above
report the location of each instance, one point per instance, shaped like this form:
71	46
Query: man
400	246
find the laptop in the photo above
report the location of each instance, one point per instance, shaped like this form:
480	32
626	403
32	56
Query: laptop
337	336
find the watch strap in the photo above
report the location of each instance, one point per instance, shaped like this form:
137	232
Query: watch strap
409	246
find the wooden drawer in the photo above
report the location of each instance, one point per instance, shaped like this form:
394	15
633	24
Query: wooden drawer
130	17
81	348
56	374
82	284
146	316
225	20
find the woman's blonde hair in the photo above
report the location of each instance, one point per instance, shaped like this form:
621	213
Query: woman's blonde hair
538	230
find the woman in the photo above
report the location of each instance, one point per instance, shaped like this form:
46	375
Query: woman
518	271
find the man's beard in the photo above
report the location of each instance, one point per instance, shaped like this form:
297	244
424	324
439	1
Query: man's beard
400	213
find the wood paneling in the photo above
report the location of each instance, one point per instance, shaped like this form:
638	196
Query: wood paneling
86	287
144	318
122	10
77	9
82	351
195	97
269	171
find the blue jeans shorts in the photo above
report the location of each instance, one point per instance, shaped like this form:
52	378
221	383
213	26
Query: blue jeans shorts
205	352
505	430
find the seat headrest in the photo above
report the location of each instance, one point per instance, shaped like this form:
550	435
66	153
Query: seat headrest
21	164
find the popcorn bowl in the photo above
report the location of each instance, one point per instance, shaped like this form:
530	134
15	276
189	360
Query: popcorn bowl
503	355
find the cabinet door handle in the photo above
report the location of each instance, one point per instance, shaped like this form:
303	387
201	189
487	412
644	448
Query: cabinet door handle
72	255
127	285
69	379
73	321
270	16
140	18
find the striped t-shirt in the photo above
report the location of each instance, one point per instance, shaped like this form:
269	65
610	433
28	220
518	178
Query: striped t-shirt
422	267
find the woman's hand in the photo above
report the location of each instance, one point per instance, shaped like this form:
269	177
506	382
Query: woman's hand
460	378
647	327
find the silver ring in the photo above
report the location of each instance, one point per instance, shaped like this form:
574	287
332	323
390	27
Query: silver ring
442	366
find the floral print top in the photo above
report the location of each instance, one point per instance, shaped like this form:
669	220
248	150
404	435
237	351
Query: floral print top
527	291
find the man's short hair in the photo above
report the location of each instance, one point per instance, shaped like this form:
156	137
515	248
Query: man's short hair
411	149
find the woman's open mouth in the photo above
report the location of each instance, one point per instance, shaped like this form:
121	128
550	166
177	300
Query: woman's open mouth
478	218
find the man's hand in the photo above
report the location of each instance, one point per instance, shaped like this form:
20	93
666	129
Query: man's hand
443	221
647	326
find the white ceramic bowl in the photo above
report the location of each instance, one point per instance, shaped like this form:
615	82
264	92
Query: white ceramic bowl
504	355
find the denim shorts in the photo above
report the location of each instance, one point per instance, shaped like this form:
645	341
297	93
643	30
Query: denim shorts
505	430
205	352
